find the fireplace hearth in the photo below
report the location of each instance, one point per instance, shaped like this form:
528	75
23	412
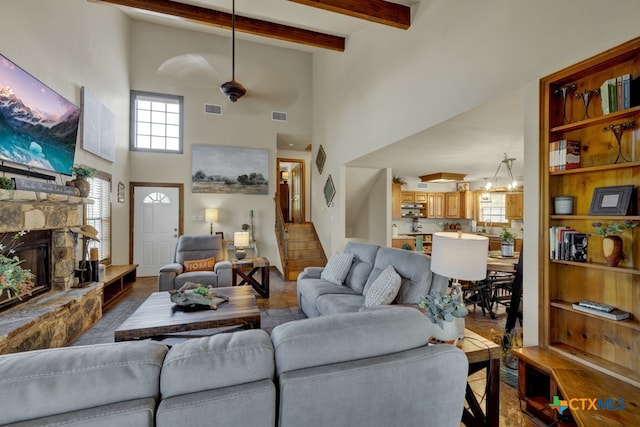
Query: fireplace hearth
58	313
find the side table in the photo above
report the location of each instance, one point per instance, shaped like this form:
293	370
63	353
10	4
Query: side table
246	269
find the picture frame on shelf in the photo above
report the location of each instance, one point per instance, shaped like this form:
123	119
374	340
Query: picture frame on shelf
613	200
321	157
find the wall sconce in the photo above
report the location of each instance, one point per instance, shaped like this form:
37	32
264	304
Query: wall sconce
211	216
513	184
241	242
284	175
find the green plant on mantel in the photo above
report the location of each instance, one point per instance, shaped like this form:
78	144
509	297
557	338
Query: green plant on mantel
15	281
83	171
442	308
6	183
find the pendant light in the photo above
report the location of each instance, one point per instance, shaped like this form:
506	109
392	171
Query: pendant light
232	89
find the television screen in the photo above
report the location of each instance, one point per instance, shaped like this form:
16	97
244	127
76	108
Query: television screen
38	127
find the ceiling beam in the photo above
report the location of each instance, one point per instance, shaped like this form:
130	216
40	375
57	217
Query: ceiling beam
220	19
379	11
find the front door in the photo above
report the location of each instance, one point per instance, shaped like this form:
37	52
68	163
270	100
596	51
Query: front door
156	227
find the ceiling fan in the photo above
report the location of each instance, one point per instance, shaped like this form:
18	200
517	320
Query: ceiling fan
232	89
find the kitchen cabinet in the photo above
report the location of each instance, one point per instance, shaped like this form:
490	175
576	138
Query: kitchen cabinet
514	205
459	205
413	204
407	197
411	241
396	201
435	205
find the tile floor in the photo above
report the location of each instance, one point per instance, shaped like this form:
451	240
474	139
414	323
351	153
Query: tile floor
282	306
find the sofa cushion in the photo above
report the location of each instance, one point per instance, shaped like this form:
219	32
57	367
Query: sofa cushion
384	289
413	267
200	264
364	255
36	379
339	303
337	267
333	339
218	361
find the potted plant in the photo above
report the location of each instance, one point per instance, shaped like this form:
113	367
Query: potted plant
507	242
15	281
399	180
81	173
611	241
6	183
446	312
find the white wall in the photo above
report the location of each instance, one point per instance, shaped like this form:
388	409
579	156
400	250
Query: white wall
390	84
180	62
368	191
68	44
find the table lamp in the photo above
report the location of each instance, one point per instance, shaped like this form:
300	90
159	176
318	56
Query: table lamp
241	242
459	256
211	216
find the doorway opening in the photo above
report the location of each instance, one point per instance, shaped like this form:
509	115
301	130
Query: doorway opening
291	189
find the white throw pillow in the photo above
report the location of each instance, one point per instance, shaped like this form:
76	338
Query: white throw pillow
337	268
384	289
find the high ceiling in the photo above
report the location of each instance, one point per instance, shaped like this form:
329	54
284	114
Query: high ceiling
473	143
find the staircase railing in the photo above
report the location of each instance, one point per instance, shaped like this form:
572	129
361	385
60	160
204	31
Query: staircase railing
281	235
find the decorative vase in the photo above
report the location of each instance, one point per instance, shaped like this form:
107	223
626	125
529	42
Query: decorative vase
82	185
448	333
612	250
507	248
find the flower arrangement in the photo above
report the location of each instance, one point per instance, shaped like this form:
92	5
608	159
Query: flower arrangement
442	308
15	281
612	229
83	171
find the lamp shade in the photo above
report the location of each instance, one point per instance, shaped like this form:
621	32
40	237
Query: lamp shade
241	239
460	256
211	215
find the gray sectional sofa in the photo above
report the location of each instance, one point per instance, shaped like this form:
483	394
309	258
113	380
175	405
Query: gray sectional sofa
317	296
373	368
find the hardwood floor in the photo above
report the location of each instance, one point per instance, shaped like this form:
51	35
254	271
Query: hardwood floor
282	306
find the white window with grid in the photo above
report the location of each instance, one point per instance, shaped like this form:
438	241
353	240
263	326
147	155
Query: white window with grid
98	215
156	122
492	211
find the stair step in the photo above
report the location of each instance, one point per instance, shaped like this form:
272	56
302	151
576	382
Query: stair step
301	254
302	244
301	264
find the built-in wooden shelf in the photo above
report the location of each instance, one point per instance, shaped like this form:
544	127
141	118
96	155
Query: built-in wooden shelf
118	280
598	266
605	119
626	323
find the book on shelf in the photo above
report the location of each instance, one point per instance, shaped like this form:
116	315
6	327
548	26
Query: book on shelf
615	314
578	247
564	155
618	93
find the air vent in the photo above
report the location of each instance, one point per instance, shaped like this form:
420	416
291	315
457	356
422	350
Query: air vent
278	116
213	109
422	186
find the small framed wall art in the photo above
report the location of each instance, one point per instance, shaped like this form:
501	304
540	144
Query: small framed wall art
329	191
320	159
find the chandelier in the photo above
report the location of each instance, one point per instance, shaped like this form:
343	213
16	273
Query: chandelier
513	184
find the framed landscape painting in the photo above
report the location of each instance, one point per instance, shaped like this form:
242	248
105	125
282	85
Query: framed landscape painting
220	169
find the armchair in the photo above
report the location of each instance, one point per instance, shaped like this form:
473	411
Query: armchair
194	248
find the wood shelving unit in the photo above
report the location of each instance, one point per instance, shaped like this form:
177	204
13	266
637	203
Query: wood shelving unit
582	343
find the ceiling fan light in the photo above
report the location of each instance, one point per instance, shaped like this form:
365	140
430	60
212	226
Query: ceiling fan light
233	90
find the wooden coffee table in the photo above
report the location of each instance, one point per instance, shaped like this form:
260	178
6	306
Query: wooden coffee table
156	318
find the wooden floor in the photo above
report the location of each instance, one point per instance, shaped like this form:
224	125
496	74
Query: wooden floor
282	306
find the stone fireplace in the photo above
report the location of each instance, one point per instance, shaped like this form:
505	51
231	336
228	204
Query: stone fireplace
59	313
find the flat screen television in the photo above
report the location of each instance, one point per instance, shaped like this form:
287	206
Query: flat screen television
38	127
